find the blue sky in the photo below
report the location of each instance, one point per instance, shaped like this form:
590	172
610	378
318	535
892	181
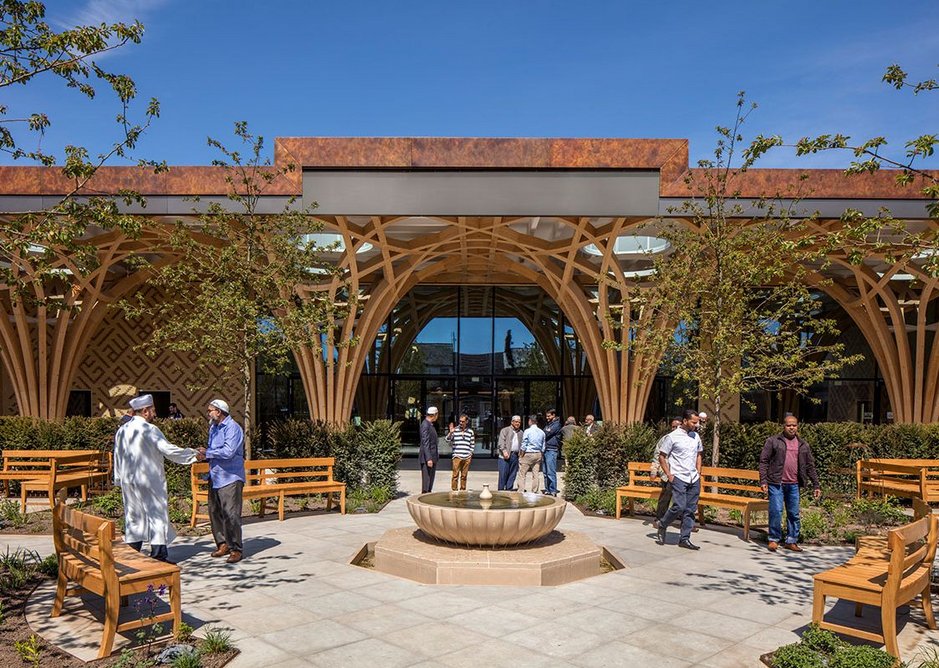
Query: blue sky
507	68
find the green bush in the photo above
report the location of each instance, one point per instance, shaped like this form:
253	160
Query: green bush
797	655
821	640
813	524
878	512
599	461
861	656
599	499
379	446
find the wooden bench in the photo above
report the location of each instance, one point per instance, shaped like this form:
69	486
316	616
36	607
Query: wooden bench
91	560
736	489
887	580
275	478
51	470
903	478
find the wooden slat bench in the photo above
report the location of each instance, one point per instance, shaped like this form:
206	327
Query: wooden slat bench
91	560
903	478
275	478
736	489
887	580
51	470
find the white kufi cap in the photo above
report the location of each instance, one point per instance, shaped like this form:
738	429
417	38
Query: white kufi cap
432	410
141	402
221	405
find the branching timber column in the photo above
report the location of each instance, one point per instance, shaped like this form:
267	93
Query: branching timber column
899	321
43	339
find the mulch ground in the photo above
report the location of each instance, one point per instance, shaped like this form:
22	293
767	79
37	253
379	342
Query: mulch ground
14	629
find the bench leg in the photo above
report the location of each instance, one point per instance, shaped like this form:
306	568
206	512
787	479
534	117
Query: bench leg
888	620
263	507
61	585
927	607
619	506
280	507
858	609
112	607
176	603
195	509
84	492
818	605
700	514
342	501
746	524
23	499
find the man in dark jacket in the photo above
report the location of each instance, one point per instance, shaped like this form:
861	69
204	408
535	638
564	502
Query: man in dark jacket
428	456
552	450
786	465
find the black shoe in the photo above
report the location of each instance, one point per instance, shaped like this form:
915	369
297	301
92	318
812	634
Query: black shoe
660	535
688	545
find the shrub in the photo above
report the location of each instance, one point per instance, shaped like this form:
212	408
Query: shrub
600	460
877	512
379	447
597	499
861	656
216	641
814	523
184	633
109	504
821	640
10	514
797	655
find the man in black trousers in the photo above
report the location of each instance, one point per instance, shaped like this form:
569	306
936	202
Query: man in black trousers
428	453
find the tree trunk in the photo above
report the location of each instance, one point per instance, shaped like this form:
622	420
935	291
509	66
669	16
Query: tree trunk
716	435
246	380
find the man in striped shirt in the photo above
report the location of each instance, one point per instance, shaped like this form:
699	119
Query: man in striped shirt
462	440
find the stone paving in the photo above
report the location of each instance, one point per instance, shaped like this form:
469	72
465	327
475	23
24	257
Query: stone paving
297	601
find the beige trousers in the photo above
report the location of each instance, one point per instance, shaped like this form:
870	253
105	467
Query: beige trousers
529	461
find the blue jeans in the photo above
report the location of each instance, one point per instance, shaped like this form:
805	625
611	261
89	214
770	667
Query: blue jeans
508	470
684	504
551	471
778	494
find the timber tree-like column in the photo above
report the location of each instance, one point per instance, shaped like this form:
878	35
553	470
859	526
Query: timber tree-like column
898	318
45	334
485	251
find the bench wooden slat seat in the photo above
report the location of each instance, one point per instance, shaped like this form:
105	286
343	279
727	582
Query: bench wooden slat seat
904	478
49	471
90	559
277	479
887	580
737	489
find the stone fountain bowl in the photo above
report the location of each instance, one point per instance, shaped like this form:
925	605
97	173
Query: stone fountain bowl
509	518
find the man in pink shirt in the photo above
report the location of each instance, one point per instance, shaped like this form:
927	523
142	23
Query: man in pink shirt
786	465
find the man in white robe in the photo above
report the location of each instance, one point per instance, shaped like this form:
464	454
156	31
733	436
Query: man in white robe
139	449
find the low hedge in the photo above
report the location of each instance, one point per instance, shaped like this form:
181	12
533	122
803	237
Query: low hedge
366	456
599	462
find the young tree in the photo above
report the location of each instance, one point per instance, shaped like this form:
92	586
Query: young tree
37	245
53	273
736	311
246	288
883	234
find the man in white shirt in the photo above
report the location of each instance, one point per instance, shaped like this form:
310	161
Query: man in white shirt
680	461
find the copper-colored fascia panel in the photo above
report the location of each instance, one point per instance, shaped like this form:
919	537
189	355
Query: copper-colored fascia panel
818	183
670	156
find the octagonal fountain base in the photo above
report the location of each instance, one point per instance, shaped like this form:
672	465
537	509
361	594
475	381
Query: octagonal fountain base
558	558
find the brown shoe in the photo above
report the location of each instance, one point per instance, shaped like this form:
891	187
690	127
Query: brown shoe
794	547
773	546
234	557
221	551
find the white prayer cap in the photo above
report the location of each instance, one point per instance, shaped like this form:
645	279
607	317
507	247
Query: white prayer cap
703	415
432	410
221	405
516	417
141	402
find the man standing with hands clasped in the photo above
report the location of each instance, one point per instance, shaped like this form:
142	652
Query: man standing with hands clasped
680	461
786	465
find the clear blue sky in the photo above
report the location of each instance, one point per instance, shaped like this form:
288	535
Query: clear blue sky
506	68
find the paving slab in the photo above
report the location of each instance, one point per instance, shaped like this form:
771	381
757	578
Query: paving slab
296	600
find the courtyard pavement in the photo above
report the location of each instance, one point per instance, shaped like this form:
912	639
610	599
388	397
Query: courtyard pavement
297	601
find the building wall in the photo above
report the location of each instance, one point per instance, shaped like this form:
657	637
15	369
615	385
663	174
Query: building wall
115	368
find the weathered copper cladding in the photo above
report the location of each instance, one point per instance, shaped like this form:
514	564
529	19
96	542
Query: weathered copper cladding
669	156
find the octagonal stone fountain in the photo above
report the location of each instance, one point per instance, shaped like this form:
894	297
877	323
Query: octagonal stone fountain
500	538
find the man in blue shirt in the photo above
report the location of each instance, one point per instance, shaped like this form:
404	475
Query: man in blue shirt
532	451
226	456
